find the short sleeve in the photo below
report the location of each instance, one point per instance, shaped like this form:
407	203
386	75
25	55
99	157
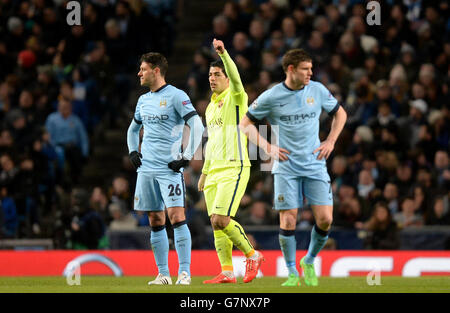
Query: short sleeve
137	112
183	106
328	101
260	108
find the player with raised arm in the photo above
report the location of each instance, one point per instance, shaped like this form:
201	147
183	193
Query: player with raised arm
299	169
226	169
163	112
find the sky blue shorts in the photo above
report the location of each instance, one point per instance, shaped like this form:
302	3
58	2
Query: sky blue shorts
291	191
155	192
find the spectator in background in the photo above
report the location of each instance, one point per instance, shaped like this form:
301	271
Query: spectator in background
73	45
119	192
44	157
26	196
306	219
121	218
289	29
69	137
403	178
7	143
339	72
317	47
191	177
442	169
197	81
348	213
366	184
439	214
8	174
257	37
276	45
99	202
87	227
391	197
220	31
350	50
237	21
339	173
21	132
242	53
421	199
9	220
257	214
382	230
408	217
409	126
93	22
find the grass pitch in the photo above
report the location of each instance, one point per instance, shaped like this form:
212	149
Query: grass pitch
110	284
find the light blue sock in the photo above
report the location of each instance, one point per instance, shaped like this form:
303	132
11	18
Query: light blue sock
318	239
183	245
288	246
160	247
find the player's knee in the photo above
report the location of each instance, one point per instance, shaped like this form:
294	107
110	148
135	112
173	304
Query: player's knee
219	222
176	217
288	221
324	223
156	220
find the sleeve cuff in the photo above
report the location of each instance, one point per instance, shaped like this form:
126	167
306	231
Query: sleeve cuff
189	115
332	112
138	122
252	118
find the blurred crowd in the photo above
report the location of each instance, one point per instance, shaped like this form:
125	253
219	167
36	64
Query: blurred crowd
390	169
59	84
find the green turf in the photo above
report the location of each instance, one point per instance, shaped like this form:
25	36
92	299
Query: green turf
110	284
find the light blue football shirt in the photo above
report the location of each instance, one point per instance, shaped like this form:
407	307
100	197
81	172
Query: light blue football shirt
163	114
295	114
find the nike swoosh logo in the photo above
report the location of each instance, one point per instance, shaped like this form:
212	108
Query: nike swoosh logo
219	207
282	105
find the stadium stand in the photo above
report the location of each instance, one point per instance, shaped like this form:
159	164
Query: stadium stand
392	79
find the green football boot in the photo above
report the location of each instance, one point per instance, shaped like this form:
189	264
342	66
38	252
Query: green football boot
292	281
309	272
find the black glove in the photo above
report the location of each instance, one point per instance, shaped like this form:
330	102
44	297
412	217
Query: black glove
135	158
175	165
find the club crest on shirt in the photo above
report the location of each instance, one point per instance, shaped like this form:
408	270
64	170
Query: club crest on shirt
280	198
310	101
136	199
163	103
254	104
220	103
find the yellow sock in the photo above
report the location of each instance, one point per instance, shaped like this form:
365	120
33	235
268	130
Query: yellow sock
236	234
224	249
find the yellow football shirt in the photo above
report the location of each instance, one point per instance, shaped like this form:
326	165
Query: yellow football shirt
227	145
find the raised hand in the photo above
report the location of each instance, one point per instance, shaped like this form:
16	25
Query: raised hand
218	46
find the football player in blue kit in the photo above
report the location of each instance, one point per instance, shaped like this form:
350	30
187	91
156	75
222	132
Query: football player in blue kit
294	107
163	112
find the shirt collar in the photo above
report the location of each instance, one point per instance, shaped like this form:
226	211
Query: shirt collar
161	88
216	97
286	86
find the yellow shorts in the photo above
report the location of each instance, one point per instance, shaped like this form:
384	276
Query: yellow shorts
224	189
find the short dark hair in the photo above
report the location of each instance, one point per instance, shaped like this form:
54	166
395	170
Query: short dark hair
295	57
156	60
219	63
